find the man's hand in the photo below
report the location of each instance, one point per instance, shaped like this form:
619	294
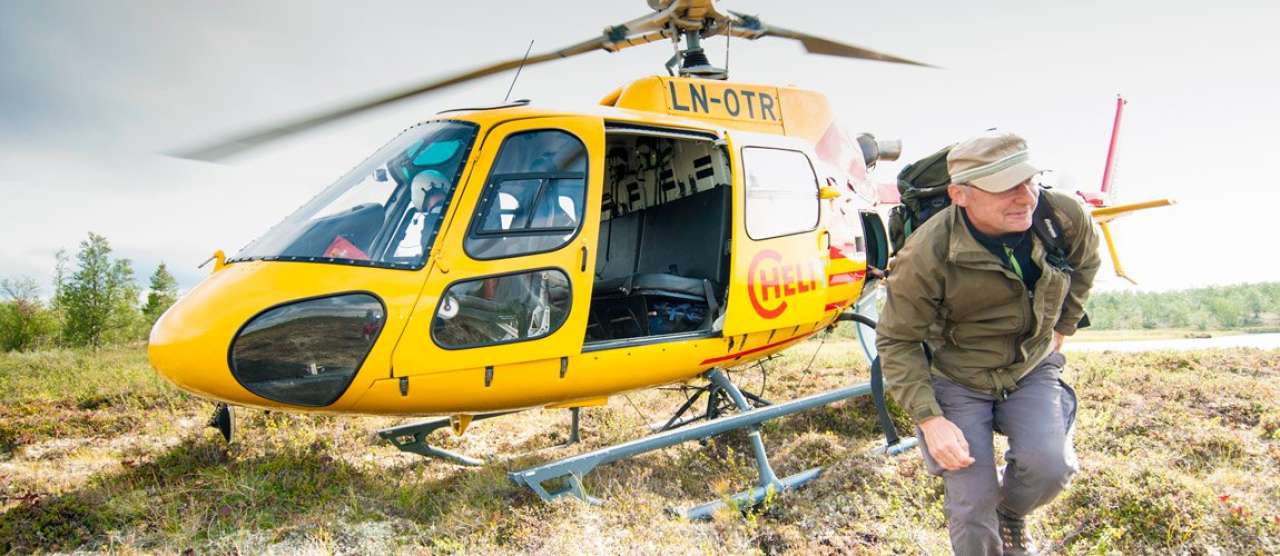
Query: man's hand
946	443
1058	340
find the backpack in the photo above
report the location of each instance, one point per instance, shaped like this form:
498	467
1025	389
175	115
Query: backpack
922	186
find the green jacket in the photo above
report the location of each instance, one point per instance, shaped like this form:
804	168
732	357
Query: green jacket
985	328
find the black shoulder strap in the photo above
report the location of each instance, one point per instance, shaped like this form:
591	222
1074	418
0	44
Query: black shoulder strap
1050	233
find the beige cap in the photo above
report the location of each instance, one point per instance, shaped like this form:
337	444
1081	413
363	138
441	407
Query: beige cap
993	162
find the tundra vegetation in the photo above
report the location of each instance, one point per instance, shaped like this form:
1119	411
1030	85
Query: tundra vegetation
1180	453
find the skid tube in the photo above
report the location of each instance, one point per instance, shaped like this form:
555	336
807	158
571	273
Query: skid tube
571	470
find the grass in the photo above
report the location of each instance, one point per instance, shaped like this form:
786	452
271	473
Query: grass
1180	453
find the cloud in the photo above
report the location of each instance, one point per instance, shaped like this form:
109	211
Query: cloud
92	91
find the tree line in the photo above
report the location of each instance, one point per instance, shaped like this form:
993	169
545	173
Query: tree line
1214	307
95	301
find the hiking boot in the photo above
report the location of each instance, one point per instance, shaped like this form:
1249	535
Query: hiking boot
1015	537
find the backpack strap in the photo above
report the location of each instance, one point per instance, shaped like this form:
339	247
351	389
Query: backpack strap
1050	233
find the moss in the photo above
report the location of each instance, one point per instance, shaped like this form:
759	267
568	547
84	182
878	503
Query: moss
1162	438
1118	507
56	524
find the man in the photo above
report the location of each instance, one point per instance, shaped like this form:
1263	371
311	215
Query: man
427	191
976	284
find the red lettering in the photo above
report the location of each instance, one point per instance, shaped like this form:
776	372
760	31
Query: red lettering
769	280
759	284
805	284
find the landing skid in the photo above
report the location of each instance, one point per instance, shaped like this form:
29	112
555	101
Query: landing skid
569	472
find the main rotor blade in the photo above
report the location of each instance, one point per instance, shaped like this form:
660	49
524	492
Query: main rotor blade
240	143
752	28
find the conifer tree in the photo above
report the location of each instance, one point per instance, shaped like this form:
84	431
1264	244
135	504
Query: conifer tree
163	293
99	300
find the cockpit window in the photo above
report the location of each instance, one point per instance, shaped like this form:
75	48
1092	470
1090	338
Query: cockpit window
386	212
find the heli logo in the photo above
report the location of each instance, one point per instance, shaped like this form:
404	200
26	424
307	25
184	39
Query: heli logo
724	101
771	281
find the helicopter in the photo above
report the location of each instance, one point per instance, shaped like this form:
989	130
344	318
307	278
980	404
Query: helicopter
502	258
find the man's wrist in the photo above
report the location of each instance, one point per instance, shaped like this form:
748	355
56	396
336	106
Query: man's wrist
924	412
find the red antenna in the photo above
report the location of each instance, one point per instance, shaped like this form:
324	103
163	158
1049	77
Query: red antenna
1111	151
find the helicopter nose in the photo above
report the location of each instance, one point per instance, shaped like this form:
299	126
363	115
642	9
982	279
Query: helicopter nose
184	348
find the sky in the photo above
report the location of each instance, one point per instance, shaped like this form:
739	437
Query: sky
92	94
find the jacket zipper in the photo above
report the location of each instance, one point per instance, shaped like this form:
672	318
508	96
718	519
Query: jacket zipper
1028	309
1026	319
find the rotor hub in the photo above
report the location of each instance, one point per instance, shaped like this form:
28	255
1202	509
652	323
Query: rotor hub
694	62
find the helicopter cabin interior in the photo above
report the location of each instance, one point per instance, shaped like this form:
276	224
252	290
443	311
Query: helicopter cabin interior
662	263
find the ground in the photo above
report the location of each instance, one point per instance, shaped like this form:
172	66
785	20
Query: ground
1180	453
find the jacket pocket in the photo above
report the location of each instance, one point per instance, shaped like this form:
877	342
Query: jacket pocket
1052	297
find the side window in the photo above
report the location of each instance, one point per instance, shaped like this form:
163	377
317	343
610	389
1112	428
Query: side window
502	309
782	192
533	200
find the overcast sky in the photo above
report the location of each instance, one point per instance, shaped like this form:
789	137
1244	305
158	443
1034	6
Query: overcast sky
91	92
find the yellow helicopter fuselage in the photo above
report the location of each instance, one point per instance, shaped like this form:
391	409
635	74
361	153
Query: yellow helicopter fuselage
780	274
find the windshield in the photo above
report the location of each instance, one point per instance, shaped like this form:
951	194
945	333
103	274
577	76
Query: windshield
385	212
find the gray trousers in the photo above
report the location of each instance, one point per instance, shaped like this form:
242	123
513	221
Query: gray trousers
1037	419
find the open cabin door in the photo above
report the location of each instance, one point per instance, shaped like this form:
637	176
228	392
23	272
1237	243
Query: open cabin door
780	258
512	278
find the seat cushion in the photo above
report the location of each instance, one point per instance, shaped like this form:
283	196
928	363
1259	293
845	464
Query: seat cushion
653	284
659	284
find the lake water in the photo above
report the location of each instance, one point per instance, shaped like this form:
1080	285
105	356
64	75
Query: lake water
1263	341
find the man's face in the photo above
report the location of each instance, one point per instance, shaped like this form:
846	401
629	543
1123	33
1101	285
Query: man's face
1006	212
433	201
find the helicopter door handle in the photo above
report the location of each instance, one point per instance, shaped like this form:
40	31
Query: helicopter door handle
584	258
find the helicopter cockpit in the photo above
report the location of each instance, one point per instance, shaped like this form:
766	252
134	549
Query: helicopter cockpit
386	212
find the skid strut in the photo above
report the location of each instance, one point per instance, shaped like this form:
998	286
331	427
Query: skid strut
570	471
715	397
574	426
413	438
